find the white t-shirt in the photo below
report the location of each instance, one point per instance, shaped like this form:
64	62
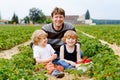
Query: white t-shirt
43	52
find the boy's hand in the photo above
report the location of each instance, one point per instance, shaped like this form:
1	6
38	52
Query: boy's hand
72	63
84	60
54	56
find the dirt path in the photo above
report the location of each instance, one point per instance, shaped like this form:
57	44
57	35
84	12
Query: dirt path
69	77
114	47
7	54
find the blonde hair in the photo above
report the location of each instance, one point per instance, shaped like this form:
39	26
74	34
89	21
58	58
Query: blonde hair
37	35
70	34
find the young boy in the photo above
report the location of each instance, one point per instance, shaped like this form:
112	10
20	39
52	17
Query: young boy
44	53
70	51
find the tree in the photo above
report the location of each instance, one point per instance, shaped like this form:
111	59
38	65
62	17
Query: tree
27	20
37	15
48	21
87	15
15	19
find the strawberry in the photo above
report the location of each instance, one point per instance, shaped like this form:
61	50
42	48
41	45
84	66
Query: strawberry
87	60
84	59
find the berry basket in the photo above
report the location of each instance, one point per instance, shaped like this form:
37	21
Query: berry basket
84	64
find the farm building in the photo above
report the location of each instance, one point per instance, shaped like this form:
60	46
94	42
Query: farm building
3	21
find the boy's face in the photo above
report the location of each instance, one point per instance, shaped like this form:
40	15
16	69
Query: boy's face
58	20
70	41
43	41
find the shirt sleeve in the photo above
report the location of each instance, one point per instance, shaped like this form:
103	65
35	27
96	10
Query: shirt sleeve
36	53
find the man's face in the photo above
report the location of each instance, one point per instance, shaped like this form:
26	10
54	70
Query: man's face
58	20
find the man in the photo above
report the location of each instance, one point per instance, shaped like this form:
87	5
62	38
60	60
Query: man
57	28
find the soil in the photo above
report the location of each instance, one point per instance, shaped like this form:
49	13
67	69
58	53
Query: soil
69	77
7	54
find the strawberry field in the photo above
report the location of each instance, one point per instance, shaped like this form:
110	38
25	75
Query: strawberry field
11	36
109	33
106	65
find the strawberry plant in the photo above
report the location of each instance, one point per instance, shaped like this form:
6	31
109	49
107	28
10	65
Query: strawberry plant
20	67
11	36
106	65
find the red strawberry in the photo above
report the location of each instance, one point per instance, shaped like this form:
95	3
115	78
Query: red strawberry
84	59
87	60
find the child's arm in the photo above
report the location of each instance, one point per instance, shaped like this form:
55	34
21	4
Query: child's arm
78	52
38	60
62	52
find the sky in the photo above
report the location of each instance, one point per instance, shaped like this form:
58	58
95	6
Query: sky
98	9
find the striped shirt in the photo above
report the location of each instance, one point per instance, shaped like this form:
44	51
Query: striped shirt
54	37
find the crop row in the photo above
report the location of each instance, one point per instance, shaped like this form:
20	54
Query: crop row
109	33
106	65
14	35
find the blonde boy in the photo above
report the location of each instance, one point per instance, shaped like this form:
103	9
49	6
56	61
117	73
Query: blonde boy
44	53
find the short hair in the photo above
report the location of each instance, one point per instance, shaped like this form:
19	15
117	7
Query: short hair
58	11
37	35
70	34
